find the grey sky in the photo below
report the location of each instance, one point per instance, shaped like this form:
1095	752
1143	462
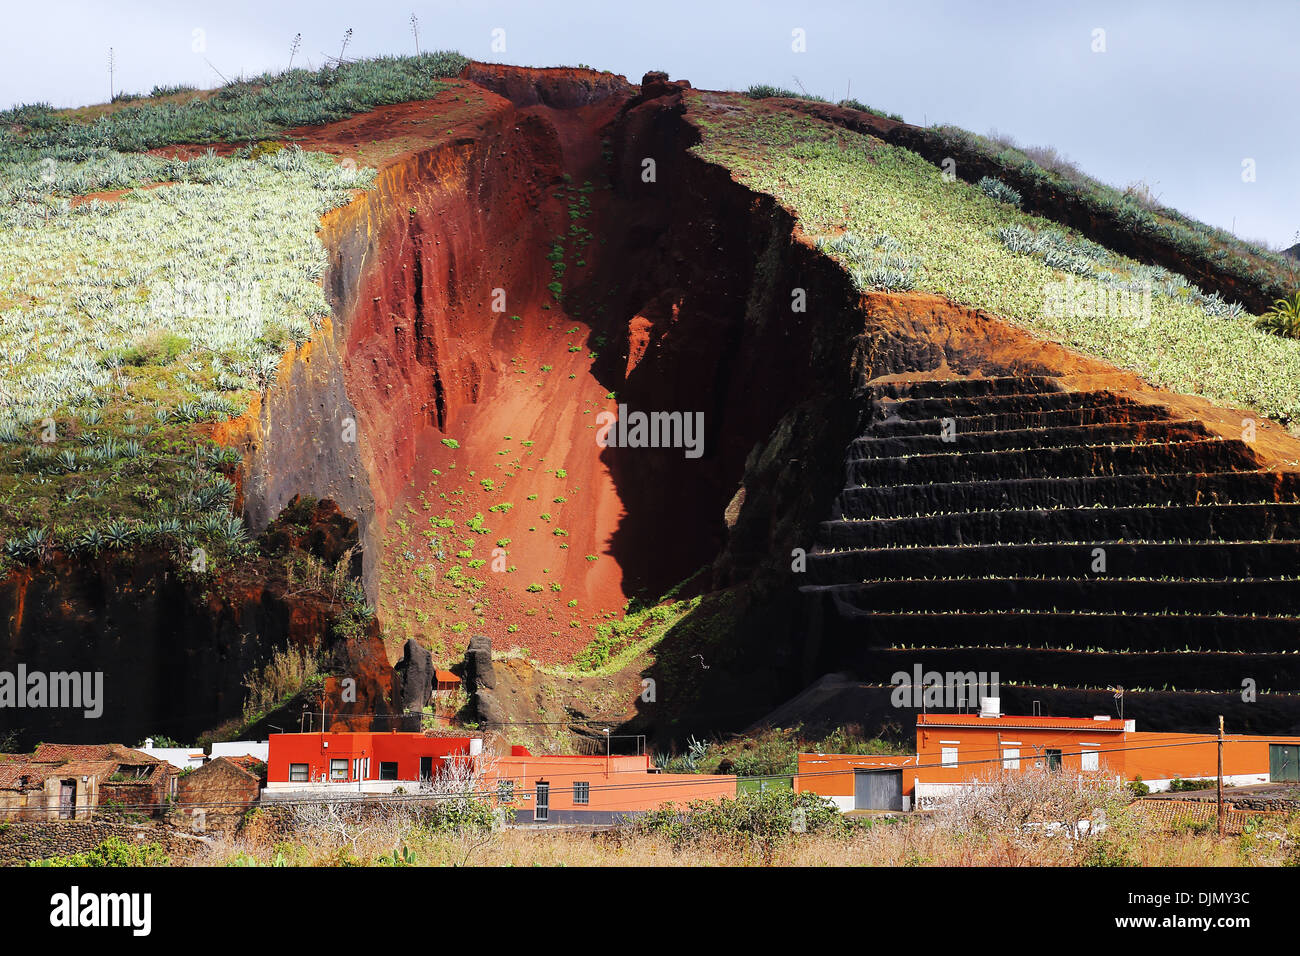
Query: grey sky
1184	92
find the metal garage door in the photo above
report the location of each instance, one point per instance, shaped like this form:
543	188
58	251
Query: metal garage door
878	790
1284	763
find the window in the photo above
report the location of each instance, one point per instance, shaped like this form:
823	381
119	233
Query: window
1011	758
581	791
542	811
949	756
1089	760
1053	760
339	769
388	770
297	773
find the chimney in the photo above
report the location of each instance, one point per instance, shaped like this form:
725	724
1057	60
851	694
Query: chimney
990	706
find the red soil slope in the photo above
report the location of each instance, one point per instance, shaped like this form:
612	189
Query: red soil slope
428	361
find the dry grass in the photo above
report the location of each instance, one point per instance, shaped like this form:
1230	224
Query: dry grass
287	672
919	840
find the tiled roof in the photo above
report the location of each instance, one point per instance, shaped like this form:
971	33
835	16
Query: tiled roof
55	753
247	763
13	769
1167	814
79	768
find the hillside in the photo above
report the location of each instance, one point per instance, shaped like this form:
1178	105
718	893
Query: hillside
409	289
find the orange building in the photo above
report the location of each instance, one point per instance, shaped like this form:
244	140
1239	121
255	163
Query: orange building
592	789
958	750
538	789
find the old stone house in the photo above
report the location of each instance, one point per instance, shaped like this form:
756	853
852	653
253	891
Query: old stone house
216	796
79	781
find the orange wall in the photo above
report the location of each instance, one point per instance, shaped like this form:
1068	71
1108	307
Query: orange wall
616	784
1241	755
831	775
981	749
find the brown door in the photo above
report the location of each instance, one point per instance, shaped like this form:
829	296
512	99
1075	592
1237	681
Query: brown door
68	800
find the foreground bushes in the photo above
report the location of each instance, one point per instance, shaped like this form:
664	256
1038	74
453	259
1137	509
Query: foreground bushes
114	851
764	815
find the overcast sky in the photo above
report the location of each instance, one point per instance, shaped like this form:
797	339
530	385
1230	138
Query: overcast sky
1182	95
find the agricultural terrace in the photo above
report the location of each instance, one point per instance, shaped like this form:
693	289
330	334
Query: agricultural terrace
126	326
897	224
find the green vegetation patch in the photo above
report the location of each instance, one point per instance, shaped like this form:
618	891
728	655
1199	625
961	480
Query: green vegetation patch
910	228
126	326
245	110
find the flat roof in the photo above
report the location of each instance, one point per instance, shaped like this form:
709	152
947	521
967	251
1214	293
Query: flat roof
1008	721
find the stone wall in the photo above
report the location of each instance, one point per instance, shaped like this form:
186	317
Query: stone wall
20	842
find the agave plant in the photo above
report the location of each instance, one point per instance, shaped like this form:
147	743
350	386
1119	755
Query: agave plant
168	527
997	189
209	498
118	534
31	544
234	532
1017	238
1284	318
89	541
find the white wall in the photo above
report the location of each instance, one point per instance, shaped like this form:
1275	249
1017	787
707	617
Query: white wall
340	788
183	758
1235	780
261	750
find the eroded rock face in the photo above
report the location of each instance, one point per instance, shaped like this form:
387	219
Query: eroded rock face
559	87
175	652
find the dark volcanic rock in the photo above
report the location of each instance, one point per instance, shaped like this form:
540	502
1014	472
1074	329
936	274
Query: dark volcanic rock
478	664
480	680
416	668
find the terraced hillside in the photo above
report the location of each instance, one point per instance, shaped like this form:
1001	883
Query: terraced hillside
1061	538
534	249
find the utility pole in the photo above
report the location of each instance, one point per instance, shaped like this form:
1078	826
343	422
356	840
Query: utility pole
1222	818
